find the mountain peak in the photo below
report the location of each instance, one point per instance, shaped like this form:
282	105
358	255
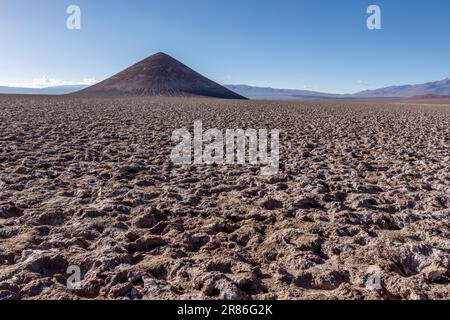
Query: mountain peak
160	75
160	55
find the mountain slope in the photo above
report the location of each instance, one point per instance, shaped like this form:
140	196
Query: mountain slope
436	88
267	93
431	89
160	75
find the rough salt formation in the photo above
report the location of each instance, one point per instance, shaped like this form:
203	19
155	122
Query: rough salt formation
89	182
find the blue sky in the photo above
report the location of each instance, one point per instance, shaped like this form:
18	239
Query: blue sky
321	45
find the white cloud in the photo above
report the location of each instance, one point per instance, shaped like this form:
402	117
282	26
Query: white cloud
45	81
89	81
363	83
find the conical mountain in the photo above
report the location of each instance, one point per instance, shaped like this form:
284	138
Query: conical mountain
159	75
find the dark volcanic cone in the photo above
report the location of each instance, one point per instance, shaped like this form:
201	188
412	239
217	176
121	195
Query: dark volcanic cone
159	75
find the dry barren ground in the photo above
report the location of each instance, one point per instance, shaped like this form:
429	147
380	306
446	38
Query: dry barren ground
89	182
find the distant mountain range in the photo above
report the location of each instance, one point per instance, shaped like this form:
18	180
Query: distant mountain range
427	90
163	75
437	88
58	90
267	93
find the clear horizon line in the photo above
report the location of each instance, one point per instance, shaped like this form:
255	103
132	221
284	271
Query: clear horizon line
81	83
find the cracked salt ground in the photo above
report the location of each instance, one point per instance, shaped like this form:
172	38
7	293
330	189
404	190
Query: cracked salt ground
89	182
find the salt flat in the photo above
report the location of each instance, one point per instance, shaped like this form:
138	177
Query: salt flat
89	182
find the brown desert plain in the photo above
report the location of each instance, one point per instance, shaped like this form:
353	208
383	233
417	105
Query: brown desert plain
88	181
